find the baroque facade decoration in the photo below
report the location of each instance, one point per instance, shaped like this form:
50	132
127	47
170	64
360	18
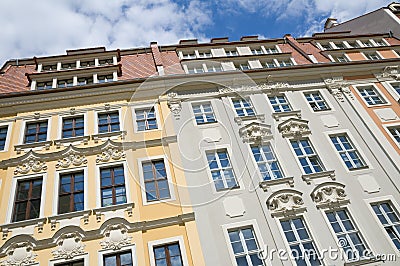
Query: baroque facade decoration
69	245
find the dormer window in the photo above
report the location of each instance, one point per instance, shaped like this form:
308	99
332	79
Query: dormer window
105	78
49	67
189	56
64	83
326	46
271	50
44	85
231	52
257	51
340	45
205	54
366	44
380	42
285	62
244	66
104	62
372	56
68	65
87	63
270	64
353	44
193	70
85	81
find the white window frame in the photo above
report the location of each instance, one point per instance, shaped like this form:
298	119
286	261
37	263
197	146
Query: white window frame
323	165
249	223
146	106
210	102
85	257
22	133
389	87
248	99
233	166
392	200
324	96
370	53
171	183
111	110
387	127
14	184
281	110
106	252
126	179
60	124
341	55
57	189
8	135
310	232
376	89
160	242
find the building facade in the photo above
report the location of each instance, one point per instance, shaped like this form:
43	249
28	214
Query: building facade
250	152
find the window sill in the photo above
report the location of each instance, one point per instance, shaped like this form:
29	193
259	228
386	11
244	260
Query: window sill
278	181
358	168
69	215
37	222
43	144
207	124
280	115
308	177
241	119
97	137
83	139
363	261
112	208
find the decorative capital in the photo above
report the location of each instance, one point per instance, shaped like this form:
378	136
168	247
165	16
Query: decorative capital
294	128
255	132
285	203
32	165
116	237
69	246
329	195
338	87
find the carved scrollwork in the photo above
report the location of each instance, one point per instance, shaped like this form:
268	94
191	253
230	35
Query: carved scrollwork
72	159
31	165
285	203
329	195
69	246
116	237
110	153
19	254
255	132
391	72
174	103
338	87
294	128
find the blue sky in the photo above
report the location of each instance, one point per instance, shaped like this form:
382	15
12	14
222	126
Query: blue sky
48	27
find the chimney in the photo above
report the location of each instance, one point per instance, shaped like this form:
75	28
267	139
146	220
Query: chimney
330	22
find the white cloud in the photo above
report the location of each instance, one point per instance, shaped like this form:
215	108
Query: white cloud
50	27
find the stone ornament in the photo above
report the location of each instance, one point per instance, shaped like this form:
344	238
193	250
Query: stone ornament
294	128
328	195
110	153
255	132
72	159
338	87
285	203
19	254
69	246
116	237
391	72
271	88
32	165
174	104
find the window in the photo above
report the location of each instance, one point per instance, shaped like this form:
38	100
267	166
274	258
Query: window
266	161
326	46
71	189
27	200
44	85
231	52
168	255
89	63
194	70
36	132
205	54
49	67
270	64
85	81
243	107
308	158
316	101
372	56
380	42
203	113
366	43
395	131
72	127
285	62
118	259
65	83
257	51
189	56
245	246
279	103
3	137
108	122
348	236
104	62
389	219
396	87
340	45
244	66
347	152
72	263
371	95
300	242
353	44
214	68
155	180
105	78
221	170
112	186
68	65
146	119
341	59
271	50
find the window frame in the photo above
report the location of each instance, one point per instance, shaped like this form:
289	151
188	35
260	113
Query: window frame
61	121
170	180
329	108
277	159
368	55
8	126
57	185
84	257
25	122
104	252
316	152
346	151
377	91
201	103
279	104
98	183
165	241
13	194
146	106
395	94
387	127
96	120
249	101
